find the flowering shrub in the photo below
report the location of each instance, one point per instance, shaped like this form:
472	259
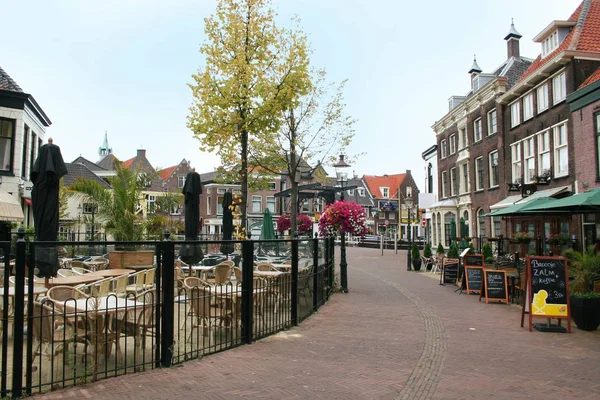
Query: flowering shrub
559	239
284	222
343	216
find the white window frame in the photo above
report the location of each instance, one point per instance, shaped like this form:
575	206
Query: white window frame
559	88
550	43
256	200
208	210
543	149
479	167
453	178
385	192
361	192
271	204
560	147
542	98
515	114
350	192
477	134
516	162
492	120
529	165
180	181
493	168
464	182
463	140
221	190
444	151
409	191
528	106
444	182
452	144
272	186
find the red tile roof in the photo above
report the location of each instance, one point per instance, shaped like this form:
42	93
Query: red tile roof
566	43
590	34
166	173
129	163
393	182
591	79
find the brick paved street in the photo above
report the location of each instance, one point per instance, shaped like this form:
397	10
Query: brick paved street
396	335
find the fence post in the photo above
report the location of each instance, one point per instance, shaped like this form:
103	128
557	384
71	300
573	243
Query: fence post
168	283
158	304
247	289
315	274
30	299
19	307
294	296
331	261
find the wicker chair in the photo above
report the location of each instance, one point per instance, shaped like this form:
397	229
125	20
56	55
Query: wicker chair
206	315
222	273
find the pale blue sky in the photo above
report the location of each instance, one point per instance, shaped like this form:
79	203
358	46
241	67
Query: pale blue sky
123	65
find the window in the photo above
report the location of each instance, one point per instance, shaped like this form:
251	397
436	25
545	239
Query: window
515	151
492	122
550	44
479	173
361	192
7	132
350	192
452	144
220	205
151	204
220	190
544	153
208	190
497	226
559	88
272	186
561	156
444	151
529	160
271	204
180	181
409	191
597	127
208	206
515	114
462	139
318	206
24	173
385	192
494	180
89	208
528	107
32	151
465	179
477	130
256	204
444	179
542	98
453	178
475	82
305	206
481	221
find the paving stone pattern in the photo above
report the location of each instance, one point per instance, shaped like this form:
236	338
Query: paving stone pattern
396	335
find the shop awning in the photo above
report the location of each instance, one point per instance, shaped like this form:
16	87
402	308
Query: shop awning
511	200
524	208
582	203
10	208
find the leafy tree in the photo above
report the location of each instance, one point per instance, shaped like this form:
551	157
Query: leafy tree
252	70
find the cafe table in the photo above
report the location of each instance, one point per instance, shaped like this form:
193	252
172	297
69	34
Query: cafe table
200	270
268	274
108	273
74	280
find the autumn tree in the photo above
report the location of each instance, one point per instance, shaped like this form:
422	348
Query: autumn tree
314	128
253	69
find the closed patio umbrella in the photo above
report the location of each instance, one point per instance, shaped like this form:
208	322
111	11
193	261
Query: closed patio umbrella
227	248
453	229
267	231
192	253
47	170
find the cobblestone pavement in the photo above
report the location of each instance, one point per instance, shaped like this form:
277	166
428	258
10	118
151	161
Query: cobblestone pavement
396	335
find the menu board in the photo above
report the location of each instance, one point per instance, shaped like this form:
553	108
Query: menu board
450	268
548	286
474	279
495	286
473	260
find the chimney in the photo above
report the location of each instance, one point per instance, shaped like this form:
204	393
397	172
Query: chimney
141	153
512	42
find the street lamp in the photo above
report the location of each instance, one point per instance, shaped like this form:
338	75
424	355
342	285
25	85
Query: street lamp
342	178
409	206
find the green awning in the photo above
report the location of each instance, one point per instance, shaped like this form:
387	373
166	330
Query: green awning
582	203
540	204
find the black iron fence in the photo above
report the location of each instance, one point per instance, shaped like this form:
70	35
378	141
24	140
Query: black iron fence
81	327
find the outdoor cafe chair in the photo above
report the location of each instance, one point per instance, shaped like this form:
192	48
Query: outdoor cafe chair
140	321
138	282
265	267
222	273
81	270
64	272
149	280
119	285
204	312
237	271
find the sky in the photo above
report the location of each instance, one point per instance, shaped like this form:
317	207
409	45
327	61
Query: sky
122	66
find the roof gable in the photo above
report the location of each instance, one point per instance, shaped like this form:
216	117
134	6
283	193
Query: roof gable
393	182
92	166
166	173
7	83
77	171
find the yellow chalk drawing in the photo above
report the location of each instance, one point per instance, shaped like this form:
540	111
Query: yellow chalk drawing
540	307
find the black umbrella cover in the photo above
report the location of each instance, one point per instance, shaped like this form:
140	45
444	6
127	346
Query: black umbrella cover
192	253
48	168
227	248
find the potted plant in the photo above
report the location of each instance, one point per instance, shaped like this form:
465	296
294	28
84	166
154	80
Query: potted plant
559	239
521	238
118	212
585	304
488	254
453	252
440	250
427	253
343	217
471	249
416	257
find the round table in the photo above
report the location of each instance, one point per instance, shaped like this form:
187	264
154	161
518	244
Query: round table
37	290
74	280
106	273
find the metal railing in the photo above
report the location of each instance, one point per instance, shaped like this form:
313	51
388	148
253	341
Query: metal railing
63	336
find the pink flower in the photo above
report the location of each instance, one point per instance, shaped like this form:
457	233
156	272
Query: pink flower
341	217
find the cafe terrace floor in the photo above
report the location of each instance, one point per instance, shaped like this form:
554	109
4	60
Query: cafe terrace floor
396	334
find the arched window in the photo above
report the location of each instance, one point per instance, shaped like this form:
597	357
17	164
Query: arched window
433	229
439	228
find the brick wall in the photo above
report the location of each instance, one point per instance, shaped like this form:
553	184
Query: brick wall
585	148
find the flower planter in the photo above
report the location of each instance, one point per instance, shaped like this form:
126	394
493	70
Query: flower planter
119	259
416	262
585	313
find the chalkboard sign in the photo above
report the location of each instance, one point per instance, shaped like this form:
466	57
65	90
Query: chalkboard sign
495	286
475	260
450	267
474	278
548	291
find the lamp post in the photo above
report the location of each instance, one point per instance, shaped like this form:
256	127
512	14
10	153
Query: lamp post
342	178
409	205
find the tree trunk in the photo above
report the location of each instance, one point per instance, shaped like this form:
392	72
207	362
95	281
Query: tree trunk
244	179
293	170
